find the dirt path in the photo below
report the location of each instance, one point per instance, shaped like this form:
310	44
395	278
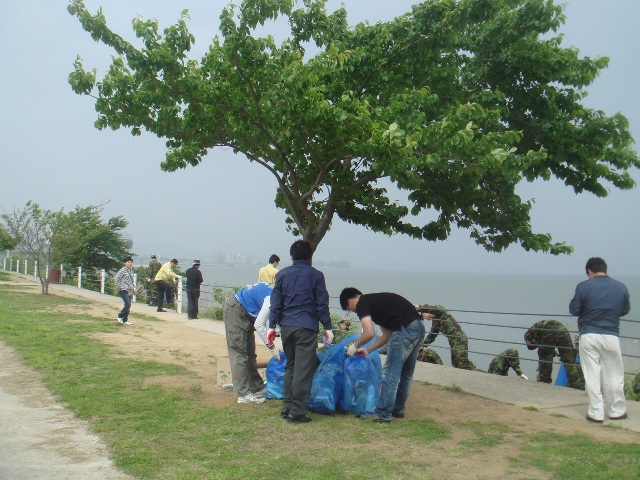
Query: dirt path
198	351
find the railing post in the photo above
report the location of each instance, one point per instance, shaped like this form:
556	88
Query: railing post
11	264
79	277
103	280
135	285
61	273
179	296
18	266
26	266
35	268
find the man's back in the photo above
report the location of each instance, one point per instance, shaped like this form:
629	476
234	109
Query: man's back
300	297
599	303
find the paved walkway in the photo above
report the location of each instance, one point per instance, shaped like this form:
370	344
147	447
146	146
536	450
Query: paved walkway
511	390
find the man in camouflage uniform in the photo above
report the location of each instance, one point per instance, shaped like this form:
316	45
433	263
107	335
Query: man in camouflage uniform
443	322
546	336
506	360
150	284
429	355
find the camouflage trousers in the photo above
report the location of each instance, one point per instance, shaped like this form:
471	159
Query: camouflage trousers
575	378
460	353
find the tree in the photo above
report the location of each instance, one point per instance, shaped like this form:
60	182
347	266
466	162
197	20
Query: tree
455	103
77	238
84	239
34	229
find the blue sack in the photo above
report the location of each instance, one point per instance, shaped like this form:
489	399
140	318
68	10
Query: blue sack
275	378
328	380
362	382
326	388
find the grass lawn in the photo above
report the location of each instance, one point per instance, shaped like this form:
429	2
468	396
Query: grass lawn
162	433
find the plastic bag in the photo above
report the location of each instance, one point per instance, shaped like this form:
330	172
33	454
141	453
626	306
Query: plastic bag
362	382
328	381
275	378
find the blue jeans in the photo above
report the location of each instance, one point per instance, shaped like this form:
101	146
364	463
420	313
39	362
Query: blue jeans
397	373
124	313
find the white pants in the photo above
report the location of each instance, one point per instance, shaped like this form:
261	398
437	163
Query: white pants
601	361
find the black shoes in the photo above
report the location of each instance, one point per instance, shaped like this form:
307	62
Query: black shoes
593	420
624	416
284	413
380	420
160	310
397	414
299	419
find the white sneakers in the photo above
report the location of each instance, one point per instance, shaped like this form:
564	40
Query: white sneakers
124	322
251	398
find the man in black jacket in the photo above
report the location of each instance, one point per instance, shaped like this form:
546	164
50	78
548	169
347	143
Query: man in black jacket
194	279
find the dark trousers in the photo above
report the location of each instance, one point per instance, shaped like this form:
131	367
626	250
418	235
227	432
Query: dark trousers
299	345
193	294
164	288
126	298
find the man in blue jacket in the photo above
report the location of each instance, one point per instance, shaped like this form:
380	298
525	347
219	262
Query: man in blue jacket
299	302
599	302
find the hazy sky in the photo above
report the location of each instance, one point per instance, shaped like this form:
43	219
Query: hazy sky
52	154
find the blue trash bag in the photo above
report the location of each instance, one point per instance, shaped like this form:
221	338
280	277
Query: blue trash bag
561	378
275	378
362	382
326	389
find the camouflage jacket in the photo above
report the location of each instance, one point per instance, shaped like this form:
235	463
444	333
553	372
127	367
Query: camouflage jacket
429	355
152	269
507	359
547	334
443	322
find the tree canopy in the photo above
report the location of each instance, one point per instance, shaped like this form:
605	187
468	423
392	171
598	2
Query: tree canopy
7	242
455	103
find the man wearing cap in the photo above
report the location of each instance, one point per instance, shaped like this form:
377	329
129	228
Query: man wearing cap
152	271
194	279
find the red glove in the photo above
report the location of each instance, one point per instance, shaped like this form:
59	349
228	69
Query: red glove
271	336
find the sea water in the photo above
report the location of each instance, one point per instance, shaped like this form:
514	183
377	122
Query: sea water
494	310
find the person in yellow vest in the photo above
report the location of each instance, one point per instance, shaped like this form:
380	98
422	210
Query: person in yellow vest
165	279
268	272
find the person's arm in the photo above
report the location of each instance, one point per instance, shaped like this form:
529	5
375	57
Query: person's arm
380	341
261	322
626	305
368	331
433	333
275	310
575	305
118	280
322	303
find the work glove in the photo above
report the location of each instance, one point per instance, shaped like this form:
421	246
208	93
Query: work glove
271	336
351	351
328	337
274	352
523	376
